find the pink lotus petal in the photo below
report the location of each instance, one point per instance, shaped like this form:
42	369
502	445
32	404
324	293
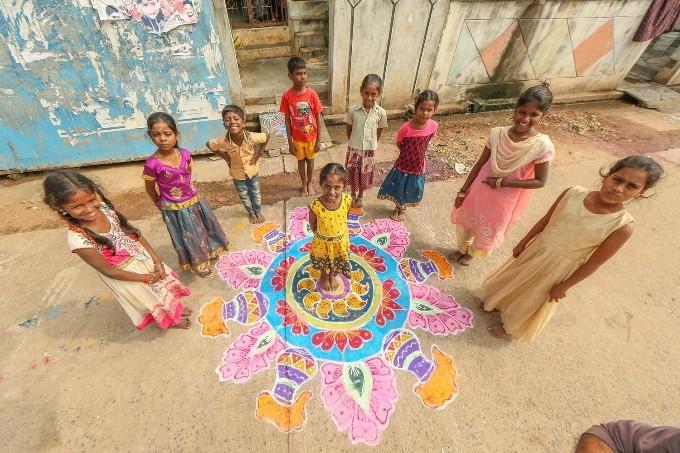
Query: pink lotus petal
447	317
364	429
235	354
232	268
362	424
331	373
416	319
344	412
332	394
258	363
243	359
381	409
436	326
378	367
397	235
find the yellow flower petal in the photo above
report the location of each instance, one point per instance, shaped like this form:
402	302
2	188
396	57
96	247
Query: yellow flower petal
324	308
340	308
306	284
310	300
354	302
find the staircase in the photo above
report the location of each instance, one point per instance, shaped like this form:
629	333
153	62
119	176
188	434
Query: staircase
309	19
262	54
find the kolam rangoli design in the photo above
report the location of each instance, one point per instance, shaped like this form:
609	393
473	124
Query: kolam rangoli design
354	338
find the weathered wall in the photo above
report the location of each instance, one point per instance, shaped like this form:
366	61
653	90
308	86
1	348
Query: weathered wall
76	90
487	49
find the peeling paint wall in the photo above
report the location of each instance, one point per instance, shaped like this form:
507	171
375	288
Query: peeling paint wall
76	90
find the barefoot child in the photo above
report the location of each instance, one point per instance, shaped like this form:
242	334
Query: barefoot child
328	218
515	160
580	232
405	183
302	108
195	232
242	150
144	286
364	124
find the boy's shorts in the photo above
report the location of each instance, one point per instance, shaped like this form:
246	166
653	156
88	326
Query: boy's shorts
304	150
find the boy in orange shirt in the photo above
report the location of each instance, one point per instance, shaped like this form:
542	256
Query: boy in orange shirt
302	108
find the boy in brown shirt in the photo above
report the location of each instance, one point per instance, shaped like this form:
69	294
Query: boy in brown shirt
241	150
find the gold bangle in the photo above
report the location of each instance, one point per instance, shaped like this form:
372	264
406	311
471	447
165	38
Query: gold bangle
498	183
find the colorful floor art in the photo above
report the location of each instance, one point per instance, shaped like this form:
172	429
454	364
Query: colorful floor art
354	337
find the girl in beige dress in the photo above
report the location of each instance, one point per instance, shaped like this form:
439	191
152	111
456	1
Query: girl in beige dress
581	231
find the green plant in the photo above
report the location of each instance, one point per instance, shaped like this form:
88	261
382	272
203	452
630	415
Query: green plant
238	42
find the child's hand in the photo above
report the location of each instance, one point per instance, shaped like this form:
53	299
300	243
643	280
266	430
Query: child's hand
491	182
254	160
558	292
517	251
159	270
224	156
317	145
459	202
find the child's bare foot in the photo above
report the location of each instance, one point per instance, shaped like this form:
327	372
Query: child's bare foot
252	218
334	282
304	192
498	331
465	260
357	202
187	312
325	282
455	256
395	214
205	273
184	323
260	217
398	215
310	189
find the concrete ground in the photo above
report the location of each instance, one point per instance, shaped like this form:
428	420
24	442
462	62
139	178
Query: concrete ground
75	375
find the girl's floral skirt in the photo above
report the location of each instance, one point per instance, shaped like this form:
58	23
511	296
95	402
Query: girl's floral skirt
402	188
196	234
148	303
331	256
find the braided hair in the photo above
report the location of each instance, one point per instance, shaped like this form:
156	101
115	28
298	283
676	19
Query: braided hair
61	185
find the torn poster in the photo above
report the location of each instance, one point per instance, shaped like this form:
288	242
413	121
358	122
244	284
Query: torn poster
158	16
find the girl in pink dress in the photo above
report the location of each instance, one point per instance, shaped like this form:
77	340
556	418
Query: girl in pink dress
195	231
515	160
144	286
405	183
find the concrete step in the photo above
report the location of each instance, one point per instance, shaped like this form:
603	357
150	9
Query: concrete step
270	36
314	54
266	98
315	9
643	72
313	38
264	51
310	24
253	114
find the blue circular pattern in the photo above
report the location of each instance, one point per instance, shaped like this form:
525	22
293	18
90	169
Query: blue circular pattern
371	343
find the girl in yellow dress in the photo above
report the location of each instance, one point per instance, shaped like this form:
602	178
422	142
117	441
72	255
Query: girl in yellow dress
328	218
581	231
